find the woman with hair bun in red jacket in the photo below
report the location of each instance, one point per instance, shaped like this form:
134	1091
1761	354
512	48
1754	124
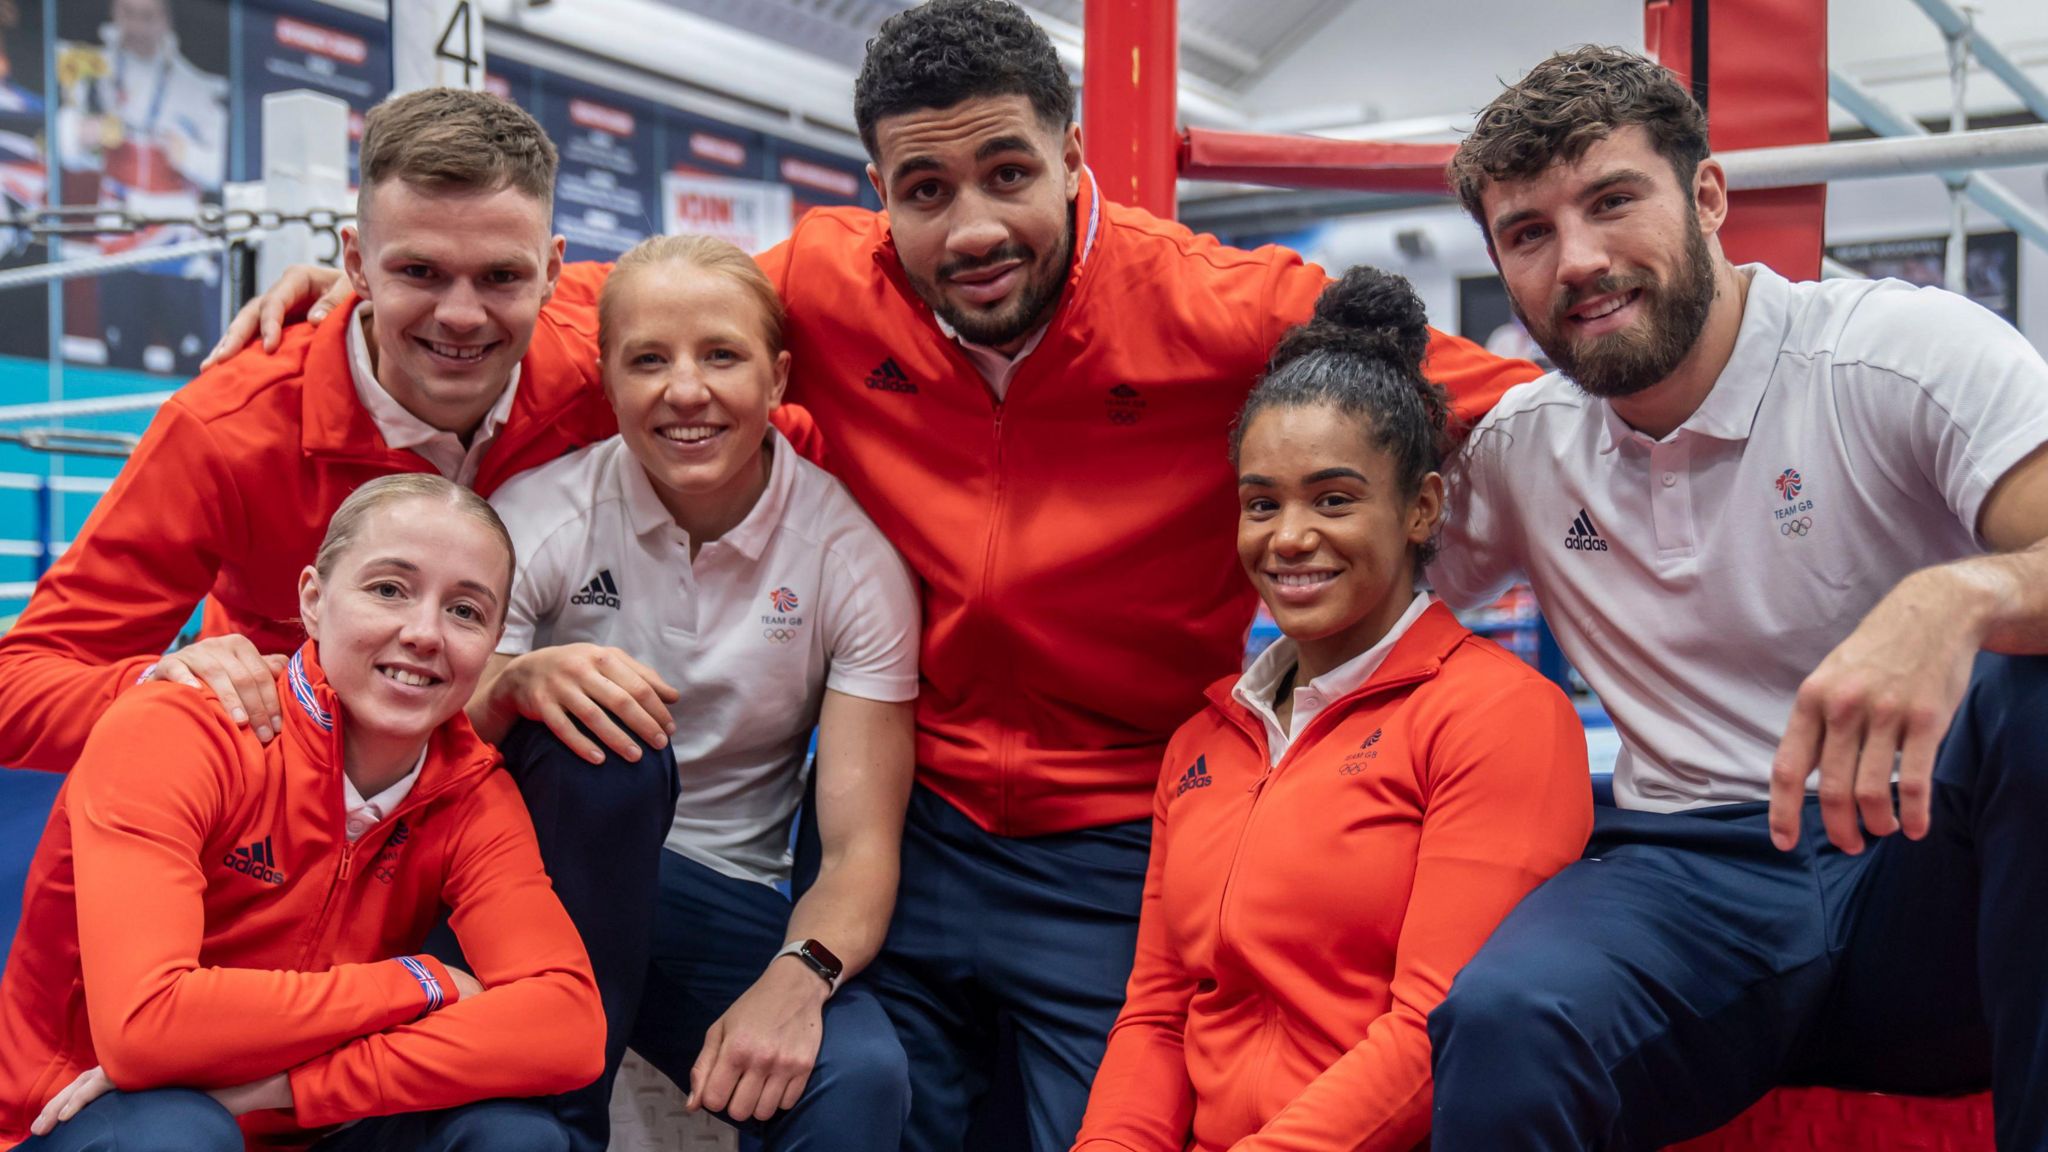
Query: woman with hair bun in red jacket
1343	825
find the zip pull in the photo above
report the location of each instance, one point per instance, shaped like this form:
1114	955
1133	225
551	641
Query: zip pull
348	856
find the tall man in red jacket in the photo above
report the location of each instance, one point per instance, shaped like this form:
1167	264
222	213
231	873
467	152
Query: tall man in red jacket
1030	391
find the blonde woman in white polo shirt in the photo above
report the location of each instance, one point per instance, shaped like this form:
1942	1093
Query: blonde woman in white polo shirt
696	557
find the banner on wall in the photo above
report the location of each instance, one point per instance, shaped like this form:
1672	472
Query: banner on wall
289	44
24	173
753	214
1991	264
605	195
142	126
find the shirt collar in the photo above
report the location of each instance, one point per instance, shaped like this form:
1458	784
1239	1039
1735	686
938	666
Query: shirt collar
1729	411
387	801
398	427
1255	689
751	535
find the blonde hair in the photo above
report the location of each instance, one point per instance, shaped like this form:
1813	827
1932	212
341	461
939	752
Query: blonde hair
384	491
455	139
706	252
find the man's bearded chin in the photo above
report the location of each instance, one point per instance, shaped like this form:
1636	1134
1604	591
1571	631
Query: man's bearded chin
1017	317
1627	362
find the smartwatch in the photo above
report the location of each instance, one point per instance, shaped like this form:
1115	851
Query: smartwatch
818	957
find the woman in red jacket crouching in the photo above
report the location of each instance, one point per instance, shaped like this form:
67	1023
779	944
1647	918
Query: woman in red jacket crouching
1344	824
221	928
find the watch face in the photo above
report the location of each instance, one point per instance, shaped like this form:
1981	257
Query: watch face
822	959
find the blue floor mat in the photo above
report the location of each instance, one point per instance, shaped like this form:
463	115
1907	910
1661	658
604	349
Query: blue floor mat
24	808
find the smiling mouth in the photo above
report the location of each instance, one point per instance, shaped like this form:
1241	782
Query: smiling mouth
461	353
689	433
1588	315
1300	579
406	676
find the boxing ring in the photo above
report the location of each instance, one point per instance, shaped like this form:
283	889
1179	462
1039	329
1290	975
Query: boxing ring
1760	66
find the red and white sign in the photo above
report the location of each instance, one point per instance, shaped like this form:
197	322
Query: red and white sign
833	180
752	214
730	153
304	37
600	117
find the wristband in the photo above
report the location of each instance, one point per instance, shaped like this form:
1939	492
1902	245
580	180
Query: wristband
432	987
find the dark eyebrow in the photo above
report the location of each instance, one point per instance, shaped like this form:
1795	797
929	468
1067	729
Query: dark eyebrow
1624	176
1002	144
1254	480
914	165
1339	473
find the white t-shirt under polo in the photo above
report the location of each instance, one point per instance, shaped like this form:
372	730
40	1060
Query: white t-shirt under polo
804	594
1696	580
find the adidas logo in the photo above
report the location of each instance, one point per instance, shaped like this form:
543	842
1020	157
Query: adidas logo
256	861
600	591
1582	536
1197	776
887	377
1372	739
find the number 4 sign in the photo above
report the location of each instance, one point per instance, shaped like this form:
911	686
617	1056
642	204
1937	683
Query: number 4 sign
436	44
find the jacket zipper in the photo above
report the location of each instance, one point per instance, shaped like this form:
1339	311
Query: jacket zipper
988	578
1325	719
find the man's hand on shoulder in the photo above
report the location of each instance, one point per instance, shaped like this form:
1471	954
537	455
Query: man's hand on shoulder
568	683
284	303
243	679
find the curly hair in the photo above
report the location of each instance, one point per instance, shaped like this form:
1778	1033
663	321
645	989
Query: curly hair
1567	104
944	51
1361	353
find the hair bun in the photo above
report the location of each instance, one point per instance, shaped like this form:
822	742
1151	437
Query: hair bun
1376	313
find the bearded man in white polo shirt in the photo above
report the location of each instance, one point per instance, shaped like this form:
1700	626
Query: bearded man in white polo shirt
1823	865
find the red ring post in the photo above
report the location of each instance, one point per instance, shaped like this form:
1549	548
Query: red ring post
1129	78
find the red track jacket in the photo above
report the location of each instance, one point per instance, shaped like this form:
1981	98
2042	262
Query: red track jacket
1074	543
1301	922
196	917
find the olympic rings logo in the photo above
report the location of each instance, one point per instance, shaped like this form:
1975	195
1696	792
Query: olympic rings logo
778	635
1799	527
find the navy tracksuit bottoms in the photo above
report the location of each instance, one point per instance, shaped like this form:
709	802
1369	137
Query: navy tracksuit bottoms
1657	987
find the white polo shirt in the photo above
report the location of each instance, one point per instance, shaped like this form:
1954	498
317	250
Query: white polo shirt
1696	580
804	594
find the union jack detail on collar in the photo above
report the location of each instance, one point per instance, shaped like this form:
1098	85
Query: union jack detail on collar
302	689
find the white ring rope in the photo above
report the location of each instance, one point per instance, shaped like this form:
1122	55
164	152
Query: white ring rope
101	265
62	409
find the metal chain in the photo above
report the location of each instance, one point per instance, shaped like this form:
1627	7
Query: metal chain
208	219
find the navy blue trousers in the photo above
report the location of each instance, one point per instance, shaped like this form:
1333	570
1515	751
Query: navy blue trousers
181	1120
1654	989
1002	939
712	938
600	828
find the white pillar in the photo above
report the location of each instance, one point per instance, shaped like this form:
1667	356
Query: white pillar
436	44
305	167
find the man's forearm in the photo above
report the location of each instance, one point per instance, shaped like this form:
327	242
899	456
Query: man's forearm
848	908
2002	598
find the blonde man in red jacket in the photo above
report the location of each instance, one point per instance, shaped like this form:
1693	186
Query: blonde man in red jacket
222	927
1028	388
